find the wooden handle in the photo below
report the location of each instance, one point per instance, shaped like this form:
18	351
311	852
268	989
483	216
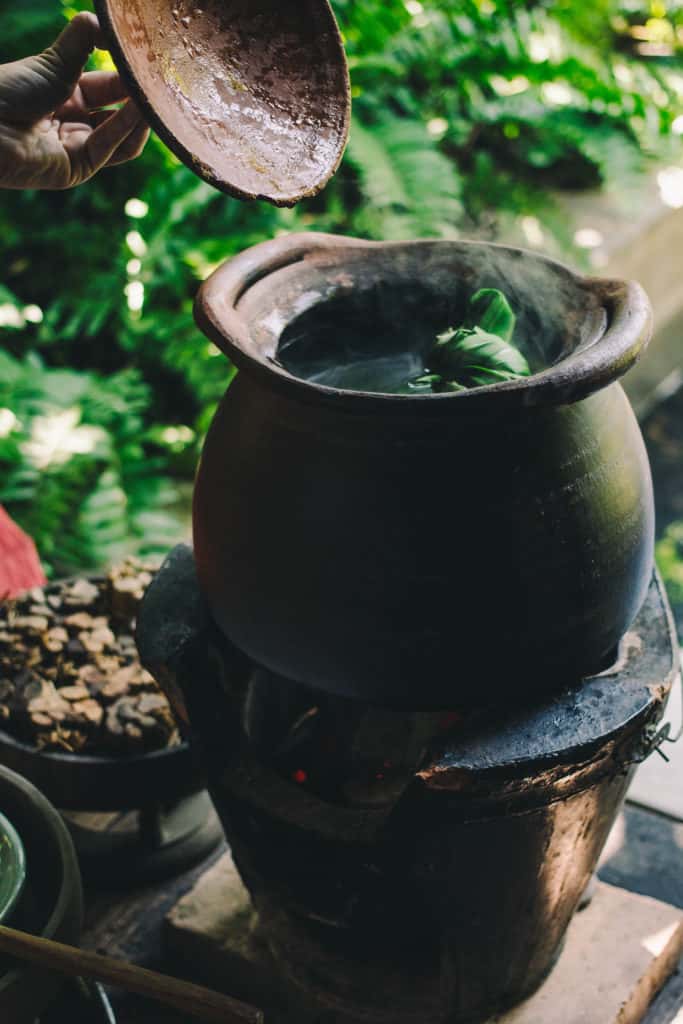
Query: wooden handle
194	1000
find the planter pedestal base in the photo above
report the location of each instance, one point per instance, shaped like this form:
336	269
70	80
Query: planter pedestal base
618	954
119	850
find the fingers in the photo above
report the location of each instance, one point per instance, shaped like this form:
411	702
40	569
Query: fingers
101	88
104	141
132	147
99	117
72	49
44	83
95	90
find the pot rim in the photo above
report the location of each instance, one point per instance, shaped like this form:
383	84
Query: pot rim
608	354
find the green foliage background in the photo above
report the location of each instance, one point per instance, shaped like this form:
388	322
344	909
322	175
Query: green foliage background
468	114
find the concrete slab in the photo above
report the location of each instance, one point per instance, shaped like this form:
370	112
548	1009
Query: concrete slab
658	785
618	955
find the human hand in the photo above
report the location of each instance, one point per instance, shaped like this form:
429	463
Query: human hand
54	133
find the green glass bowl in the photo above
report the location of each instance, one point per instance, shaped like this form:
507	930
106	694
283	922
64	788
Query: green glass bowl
12	869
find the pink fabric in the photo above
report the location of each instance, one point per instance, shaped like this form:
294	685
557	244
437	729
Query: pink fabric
20	567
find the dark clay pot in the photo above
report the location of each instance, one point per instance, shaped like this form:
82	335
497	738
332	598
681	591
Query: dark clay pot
376	546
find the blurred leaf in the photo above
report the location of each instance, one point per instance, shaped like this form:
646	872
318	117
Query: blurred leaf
468	115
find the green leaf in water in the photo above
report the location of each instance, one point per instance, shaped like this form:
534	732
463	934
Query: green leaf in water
470	356
477	354
489	310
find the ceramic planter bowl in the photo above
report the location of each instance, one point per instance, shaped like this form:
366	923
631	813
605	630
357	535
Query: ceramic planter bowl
87	782
51	904
100	781
12	869
174	827
423	551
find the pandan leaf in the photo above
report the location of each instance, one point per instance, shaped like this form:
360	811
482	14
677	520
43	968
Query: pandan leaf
479	353
423	385
490	310
464	354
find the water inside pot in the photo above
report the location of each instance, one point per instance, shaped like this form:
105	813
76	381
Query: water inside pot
355	361
381	341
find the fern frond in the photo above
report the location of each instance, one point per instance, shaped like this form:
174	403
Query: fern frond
411	188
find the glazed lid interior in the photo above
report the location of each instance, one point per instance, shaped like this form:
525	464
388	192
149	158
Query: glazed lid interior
578	334
253	95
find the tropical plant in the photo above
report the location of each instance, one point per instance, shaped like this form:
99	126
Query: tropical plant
74	466
468	115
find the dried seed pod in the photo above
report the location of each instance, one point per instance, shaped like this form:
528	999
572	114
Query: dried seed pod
41	609
89	709
31	624
74	693
126	587
66	660
47	701
114	689
79	621
55	639
96	641
92	678
82	593
41	719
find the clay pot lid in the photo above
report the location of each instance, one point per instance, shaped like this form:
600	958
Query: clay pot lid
253	95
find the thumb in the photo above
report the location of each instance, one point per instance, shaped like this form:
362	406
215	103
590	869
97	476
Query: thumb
69	53
43	83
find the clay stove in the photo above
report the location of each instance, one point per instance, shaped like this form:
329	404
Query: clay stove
408	866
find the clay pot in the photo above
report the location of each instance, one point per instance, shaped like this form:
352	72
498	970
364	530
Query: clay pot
384	546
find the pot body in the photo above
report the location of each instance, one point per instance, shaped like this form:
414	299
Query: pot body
380	557
375	545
